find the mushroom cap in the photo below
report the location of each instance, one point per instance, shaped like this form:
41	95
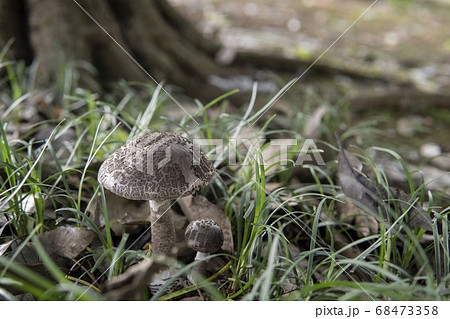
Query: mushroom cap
156	166
204	235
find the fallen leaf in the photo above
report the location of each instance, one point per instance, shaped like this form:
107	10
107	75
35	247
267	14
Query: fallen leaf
312	127
372	197
418	217
199	207
4	247
130	284
357	187
66	241
124	215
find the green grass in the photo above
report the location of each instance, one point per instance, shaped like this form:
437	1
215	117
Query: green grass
290	240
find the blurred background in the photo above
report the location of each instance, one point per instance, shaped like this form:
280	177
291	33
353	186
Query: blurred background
380	67
78	78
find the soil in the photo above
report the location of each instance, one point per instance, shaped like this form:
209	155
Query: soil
407	37
406	41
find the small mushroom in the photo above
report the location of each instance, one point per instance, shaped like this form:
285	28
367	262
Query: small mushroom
158	167
205	237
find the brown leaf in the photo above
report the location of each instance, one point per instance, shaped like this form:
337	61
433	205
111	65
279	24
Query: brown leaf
312	127
65	241
124	214
372	197
418	217
198	207
357	187
130	284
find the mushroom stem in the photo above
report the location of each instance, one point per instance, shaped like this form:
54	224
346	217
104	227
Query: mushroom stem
162	228
198	270
201	266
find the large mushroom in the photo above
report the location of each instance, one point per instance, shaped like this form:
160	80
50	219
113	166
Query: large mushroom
158	167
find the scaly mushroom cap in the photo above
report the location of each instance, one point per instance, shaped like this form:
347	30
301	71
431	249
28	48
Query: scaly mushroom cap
156	166
204	235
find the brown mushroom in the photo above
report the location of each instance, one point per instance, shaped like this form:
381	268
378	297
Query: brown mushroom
158	167
205	237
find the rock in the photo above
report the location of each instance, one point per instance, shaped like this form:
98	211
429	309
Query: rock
430	150
442	161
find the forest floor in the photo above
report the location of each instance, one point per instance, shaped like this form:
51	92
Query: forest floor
406	41
408	37
296	233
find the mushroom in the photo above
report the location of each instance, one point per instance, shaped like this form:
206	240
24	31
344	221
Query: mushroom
158	167
205	237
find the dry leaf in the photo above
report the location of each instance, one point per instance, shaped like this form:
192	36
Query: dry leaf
130	284
198	207
65	241
4	247
358	187
372	197
418	217
124	215
312	128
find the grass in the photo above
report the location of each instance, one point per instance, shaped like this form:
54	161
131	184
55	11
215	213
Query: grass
291	241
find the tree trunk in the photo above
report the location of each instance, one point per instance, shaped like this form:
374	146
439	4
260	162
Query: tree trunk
140	40
14	27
